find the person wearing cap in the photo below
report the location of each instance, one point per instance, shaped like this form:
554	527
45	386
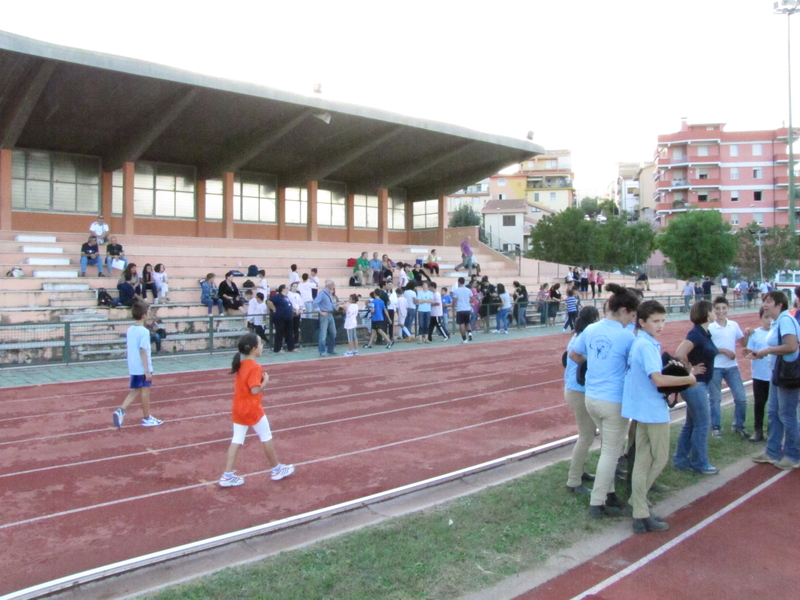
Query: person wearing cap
100	229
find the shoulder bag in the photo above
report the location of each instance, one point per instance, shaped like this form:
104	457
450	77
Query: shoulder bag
785	374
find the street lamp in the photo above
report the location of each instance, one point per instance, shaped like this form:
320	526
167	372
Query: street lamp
788	8
759	235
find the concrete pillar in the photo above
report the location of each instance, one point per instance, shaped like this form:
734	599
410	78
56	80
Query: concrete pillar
409	220
5	189
201	208
127	197
227	204
442	217
106	187
383	216
351	218
311	226
281	216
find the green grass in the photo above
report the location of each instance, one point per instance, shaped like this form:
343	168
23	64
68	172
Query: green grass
443	552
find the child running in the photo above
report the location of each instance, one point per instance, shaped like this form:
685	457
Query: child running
140	367
350	324
248	412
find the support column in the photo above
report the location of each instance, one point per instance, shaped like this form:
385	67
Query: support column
281	216
311	226
5	189
442	217
127	197
201	208
383	216
106	191
351	218
227	204
409	220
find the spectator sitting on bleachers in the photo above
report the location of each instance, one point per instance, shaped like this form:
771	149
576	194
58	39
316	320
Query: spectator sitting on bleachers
209	294
376	270
131	275
388	267
431	263
100	229
114	251
161	282
130	290
90	255
229	294
361	269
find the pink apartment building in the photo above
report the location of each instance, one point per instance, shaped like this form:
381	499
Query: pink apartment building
742	174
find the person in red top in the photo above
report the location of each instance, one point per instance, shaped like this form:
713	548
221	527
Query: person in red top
248	412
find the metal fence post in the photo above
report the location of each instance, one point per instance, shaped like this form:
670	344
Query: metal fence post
67	342
210	334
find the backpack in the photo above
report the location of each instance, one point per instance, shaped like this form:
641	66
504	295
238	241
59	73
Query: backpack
15	272
252	271
235	273
354	282
104	298
248	284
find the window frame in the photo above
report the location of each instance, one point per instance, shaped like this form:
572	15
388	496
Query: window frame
429	218
368	207
56	184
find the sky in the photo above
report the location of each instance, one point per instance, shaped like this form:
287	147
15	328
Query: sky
602	79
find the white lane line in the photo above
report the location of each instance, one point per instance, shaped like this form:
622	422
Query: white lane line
308	462
674	542
296	427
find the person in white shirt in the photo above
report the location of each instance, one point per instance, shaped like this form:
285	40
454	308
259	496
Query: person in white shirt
725	333
263	285
351	325
723	283
161	283
436	314
256	310
401	313
298	308
391	307
402	277
306	290
100	229
761	371
294	276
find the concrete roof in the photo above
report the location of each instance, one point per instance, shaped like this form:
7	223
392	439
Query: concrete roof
64	99
505	206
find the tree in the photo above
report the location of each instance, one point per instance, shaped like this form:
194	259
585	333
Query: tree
464	216
778	252
564	238
590	206
619	246
698	243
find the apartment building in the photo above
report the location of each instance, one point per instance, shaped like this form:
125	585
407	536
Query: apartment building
742	174
626	192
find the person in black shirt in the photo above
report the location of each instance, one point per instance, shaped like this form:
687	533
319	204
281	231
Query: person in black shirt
90	255
282	317
521	303
707	284
229	294
114	250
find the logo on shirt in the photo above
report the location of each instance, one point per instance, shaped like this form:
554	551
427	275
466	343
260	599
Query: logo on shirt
601	347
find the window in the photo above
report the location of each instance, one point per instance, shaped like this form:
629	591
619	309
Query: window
255	198
702	173
702	151
116	192
161	190
757	173
757	196
735	196
677	153
501	196
734	150
425	214
552	196
332	204
758	218
501	181
551	163
49	181
397	211
702	197
536	196
296	206
734	219
678	196
734	172
509	220
214	199
757	149
365	211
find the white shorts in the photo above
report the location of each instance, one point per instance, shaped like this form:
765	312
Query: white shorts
261	428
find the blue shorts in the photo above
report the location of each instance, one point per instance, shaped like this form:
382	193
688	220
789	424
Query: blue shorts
138	381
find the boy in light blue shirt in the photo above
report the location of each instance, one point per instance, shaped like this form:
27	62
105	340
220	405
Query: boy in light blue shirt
642	402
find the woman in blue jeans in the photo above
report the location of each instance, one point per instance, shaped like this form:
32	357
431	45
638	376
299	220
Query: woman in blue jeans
697	353
505	308
208	294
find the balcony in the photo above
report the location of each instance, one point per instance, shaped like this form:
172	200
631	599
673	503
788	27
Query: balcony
705	182
549	184
704	160
783	158
782	180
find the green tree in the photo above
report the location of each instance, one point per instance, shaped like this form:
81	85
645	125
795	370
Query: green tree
778	252
620	246
590	206
464	216
698	243
564	238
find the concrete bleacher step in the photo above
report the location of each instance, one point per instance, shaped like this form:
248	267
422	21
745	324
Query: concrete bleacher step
84	316
65	287
41	250
47	262
55	274
35	239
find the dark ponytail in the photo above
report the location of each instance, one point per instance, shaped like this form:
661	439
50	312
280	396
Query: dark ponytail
247	343
588	315
621	297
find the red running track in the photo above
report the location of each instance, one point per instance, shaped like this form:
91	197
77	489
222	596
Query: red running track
79	494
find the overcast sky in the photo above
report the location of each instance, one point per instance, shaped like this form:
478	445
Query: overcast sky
600	78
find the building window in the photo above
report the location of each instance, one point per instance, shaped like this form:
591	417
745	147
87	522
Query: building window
509	220
758	218
734	150
702	197
501	196
677	153
702	151
551	164
365	211
757	196
397	211
678	196
552	196
734	219
425	214
214	199
536	196
757	149
702	173
501	181
734	172
49	181
757	173
255	198
296	206
332	204
161	190
735	196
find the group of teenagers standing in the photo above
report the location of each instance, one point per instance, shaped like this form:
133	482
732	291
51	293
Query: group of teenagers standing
614	369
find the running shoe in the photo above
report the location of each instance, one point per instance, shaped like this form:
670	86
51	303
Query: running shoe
118	417
151	421
349	353
282	471
389	345
787	463
465	341
469	336
231	481
496	331
717	433
367	345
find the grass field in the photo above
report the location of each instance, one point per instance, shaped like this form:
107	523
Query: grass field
444	552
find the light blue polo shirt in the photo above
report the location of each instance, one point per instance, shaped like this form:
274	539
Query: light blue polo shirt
423	295
641	399
605	345
787	324
760	368
571	372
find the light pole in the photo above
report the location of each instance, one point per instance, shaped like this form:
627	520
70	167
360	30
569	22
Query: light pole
788	8
759	235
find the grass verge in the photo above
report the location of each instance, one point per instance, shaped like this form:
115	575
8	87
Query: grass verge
443	552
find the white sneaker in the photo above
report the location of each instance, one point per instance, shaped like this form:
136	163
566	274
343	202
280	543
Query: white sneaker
465	341
496	331
118	417
231	481
469	336
151	421
282	471
505	332
349	353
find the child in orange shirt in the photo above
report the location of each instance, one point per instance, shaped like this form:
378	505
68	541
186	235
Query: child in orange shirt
248	412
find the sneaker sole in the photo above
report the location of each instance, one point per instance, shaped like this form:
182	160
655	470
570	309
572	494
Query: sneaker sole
117	419
283	474
228	484
152	424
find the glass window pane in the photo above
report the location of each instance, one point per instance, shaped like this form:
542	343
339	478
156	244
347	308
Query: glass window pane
432	221
268	210
116	178
360	216
184	179
372	217
292	211
37	195
143	176
165	203
164	180
339	215
63	169
419	222
237	207
142	202
17	193
87	169
249	209
18	164
38	164
213	186
372	201
184	205
432	206
323	197
250	189
64	197
214	207
324	214
116	200
292	193
88	198
267	190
